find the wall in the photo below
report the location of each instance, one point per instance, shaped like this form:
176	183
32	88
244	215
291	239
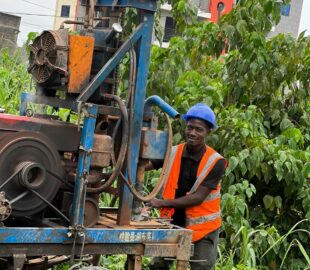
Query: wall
213	8
289	24
72	15
9	29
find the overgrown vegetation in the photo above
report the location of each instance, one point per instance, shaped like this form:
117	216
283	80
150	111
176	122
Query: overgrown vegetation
14	79
259	90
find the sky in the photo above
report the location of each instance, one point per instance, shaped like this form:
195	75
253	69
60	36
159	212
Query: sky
32	23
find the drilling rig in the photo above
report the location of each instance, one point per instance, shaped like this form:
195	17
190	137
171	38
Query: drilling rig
53	172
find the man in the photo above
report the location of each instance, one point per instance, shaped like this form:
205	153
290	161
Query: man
191	194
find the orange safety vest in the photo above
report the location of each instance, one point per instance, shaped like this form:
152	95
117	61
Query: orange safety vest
203	218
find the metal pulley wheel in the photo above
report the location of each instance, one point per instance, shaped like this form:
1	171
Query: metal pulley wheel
24	158
91	212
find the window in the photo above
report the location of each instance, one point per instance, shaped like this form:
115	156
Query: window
285	9
169	29
65	11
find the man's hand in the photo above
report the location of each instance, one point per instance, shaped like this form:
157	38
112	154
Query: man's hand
156	203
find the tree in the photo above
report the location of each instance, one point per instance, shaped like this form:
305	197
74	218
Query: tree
260	92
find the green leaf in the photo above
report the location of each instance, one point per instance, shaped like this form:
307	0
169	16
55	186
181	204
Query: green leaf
233	162
269	202
241	27
268	6
306	170
243	167
249	193
278	202
245	132
244	154
285	124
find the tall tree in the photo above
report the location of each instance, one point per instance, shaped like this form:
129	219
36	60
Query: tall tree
260	90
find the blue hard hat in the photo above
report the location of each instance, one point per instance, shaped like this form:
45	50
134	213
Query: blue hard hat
203	112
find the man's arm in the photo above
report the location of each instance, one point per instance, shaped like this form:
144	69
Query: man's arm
198	197
195	198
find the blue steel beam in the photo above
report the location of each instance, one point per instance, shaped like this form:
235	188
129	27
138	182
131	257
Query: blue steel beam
92	236
111	64
86	145
144	49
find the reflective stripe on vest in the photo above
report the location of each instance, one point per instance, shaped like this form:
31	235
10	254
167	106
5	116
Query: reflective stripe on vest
205	169
213	196
203	219
173	153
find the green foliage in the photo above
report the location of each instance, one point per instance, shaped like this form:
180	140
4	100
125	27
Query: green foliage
14	79
260	91
30	38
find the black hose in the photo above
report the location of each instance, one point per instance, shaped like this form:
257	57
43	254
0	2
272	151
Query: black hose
162	177
122	152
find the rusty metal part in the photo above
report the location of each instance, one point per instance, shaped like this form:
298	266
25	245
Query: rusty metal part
62	25
123	148
66	249
137	205
80	62
94	176
28	153
101	152
181	265
5	207
19	260
162	177
31	175
134	262
44	262
65	136
48	56
91	212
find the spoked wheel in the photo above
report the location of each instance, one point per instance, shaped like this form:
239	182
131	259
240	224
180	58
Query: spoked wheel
25	158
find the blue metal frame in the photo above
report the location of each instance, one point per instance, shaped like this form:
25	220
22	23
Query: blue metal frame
86	145
144	50
92	236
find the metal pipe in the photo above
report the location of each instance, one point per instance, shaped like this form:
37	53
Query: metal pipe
62	26
156	100
91	13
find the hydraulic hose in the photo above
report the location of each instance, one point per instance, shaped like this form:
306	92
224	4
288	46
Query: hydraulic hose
131	89
122	152
162	177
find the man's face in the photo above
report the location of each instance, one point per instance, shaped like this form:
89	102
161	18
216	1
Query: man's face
196	132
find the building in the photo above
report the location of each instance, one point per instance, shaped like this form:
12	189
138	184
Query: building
208	10
290	19
9	29
65	10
